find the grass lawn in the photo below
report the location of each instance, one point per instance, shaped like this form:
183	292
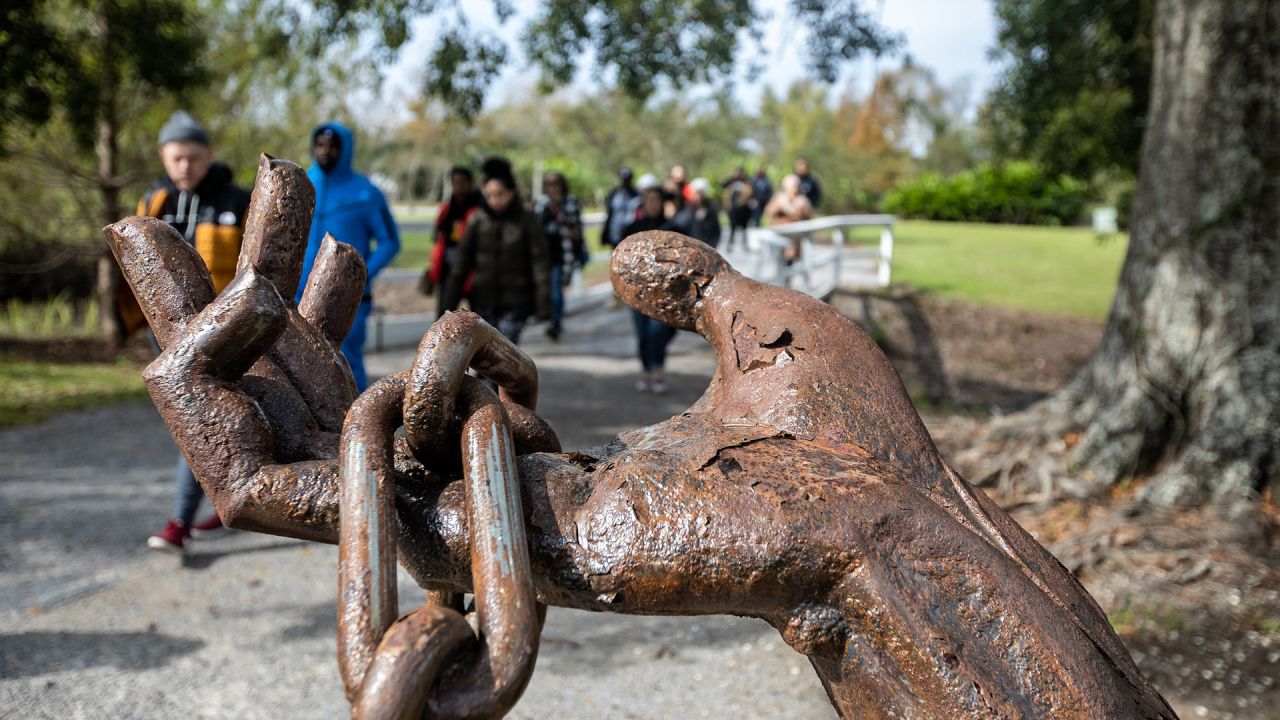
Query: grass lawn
31	391
415	250
1062	271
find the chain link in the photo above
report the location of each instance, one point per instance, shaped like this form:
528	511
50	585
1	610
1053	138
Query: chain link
431	663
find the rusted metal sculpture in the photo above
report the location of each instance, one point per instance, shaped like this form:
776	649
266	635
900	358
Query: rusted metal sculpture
802	488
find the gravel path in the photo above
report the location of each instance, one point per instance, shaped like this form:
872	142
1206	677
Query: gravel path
93	625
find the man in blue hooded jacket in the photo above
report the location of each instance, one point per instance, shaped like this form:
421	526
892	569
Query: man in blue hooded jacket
355	212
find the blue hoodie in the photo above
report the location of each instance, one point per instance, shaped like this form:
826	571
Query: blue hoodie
351	209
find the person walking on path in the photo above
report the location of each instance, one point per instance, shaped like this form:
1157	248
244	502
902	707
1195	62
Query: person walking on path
700	217
620	208
354	211
561	217
652	336
761	194
451	224
788	206
677	189
198	198
809	186
738	205
505	248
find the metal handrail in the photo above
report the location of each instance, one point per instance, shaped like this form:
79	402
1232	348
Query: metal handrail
837	224
770	244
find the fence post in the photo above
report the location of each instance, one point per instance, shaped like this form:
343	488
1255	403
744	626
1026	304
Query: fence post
886	254
837	239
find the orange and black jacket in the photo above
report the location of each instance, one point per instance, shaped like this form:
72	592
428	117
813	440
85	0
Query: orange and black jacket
210	218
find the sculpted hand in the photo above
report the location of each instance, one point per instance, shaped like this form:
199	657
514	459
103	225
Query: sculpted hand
802	488
252	387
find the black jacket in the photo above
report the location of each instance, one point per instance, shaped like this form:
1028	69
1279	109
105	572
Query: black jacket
705	228
210	218
643	224
810	188
509	256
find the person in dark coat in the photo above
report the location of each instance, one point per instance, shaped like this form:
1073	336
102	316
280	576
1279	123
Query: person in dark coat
505	247
737	205
809	186
561	217
619	207
451	224
761	194
700	217
652	336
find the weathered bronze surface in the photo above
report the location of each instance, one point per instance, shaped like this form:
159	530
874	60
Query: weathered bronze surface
802	488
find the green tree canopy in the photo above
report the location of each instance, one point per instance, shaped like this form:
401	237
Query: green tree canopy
1076	83
61	55
639	45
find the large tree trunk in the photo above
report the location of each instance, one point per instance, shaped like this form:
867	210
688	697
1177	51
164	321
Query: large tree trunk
1186	381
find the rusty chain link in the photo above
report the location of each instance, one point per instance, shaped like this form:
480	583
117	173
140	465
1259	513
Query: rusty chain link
431	663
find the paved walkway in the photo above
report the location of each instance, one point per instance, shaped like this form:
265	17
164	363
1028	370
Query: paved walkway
92	625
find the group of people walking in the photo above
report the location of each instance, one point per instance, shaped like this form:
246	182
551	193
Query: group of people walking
690	207
509	260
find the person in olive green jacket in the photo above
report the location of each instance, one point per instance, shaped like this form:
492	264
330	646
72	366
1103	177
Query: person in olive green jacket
504	246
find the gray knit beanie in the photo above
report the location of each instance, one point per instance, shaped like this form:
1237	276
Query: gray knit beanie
182	127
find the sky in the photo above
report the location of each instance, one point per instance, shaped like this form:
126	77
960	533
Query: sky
952	37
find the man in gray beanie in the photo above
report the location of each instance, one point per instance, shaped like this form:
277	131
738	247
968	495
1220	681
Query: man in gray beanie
198	198
182	127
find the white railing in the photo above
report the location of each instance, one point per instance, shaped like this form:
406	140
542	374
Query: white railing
819	268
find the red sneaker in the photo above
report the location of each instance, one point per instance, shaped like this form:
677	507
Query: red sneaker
209	527
172	538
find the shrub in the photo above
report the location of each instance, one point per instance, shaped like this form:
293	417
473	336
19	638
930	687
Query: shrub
1014	192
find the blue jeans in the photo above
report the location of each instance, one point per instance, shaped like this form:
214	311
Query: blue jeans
652	338
353	345
557	293
507	321
189	493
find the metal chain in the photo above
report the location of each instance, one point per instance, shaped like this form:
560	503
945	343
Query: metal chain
430	663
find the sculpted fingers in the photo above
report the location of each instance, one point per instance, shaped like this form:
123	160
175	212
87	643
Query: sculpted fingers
194	383
275	242
166	274
278	223
227	439
334	289
316	369
663	274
